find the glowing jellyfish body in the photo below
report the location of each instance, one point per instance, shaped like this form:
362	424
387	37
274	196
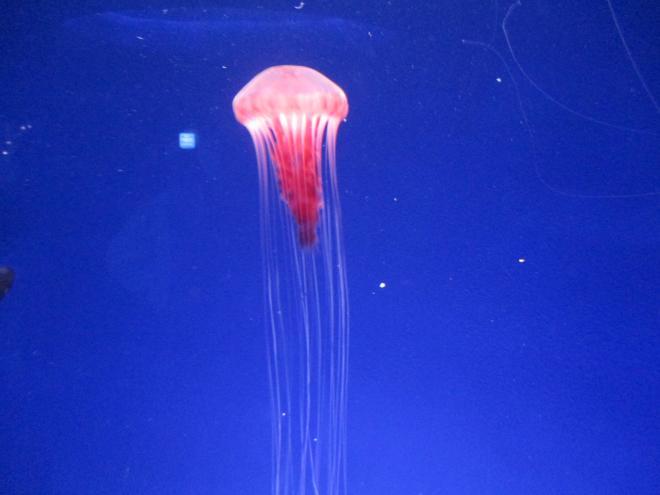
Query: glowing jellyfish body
287	110
293	114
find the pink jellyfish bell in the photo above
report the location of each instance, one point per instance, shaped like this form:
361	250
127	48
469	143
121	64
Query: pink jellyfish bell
291	111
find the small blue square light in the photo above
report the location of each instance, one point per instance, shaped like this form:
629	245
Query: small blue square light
187	140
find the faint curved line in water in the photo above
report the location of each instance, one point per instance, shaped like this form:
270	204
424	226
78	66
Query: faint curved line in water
633	63
528	128
551	98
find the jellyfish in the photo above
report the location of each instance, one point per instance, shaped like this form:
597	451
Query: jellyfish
293	114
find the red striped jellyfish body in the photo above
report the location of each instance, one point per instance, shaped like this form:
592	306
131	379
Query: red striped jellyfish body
293	114
290	112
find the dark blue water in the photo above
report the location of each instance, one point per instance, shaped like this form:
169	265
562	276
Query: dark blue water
499	173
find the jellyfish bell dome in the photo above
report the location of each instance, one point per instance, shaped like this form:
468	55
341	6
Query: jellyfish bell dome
286	90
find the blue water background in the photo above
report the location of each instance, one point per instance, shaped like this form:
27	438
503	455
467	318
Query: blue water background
506	195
